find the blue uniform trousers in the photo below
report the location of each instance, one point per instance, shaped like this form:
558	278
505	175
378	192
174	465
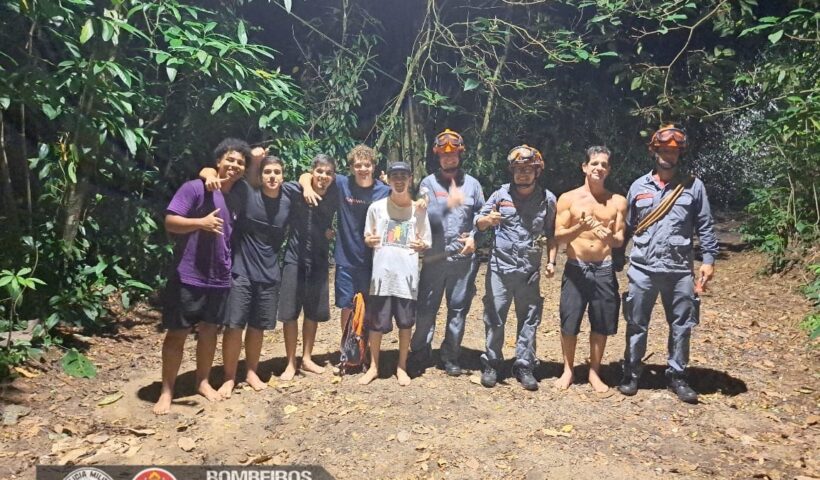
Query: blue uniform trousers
682	308
456	282
501	291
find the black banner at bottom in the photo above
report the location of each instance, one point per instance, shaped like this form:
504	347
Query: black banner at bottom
181	472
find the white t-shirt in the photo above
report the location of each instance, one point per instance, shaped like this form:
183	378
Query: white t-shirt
395	264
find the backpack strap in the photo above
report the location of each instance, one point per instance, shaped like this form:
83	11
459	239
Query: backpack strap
664	207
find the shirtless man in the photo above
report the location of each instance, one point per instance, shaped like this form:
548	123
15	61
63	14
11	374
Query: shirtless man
590	221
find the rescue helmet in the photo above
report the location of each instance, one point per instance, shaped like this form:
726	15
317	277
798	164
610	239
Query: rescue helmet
448	141
669	136
524	155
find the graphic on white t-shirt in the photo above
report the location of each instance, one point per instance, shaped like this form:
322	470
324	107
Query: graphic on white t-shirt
397	233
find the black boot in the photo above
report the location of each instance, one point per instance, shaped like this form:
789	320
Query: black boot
682	390
526	378
629	385
452	369
489	377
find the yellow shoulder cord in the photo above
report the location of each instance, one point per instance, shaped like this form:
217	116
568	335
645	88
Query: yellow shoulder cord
663	208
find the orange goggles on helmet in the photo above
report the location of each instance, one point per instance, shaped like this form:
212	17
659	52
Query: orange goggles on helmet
448	141
524	155
669	137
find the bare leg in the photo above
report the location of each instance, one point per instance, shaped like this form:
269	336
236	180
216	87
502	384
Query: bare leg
309	328
375	339
291	331
231	346
597	343
568	348
205	349
172	349
253	350
404	347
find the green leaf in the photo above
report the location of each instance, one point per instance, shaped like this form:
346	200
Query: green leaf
130	139
107	31
288	5
220	100
775	37
72	172
470	84
172	73
77	365
50	111
241	34
636	83
5	102
5	280
581	53
139	285
87	32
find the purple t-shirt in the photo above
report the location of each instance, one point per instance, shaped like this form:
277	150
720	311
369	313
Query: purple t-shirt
204	258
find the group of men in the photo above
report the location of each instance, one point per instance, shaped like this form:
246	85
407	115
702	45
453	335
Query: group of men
236	279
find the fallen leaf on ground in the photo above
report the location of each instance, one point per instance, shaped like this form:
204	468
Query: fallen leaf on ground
22	371
186	444
567	428
108	400
475	379
73	455
142	432
289	409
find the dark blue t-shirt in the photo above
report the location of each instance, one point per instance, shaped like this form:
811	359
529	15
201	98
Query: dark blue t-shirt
353	203
260	231
308	244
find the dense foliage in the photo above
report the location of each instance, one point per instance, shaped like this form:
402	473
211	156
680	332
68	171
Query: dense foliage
106	107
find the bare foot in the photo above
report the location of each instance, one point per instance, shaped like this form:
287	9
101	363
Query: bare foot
255	382
289	373
226	389
206	390
597	384
404	379
163	405
565	380
309	365
368	376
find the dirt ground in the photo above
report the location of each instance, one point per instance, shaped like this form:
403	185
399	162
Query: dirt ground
756	374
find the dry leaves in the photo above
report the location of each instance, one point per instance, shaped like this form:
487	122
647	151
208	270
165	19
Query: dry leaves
186	444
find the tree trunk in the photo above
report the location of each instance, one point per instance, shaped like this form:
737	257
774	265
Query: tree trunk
74	204
485	124
9	205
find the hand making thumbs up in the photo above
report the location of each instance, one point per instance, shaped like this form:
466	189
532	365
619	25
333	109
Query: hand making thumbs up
212	222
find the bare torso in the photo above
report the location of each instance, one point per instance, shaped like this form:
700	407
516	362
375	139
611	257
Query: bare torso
587	246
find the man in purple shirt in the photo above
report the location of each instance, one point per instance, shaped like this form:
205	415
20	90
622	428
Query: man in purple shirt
197	289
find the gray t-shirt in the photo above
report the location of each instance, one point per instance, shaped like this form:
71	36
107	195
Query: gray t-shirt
395	264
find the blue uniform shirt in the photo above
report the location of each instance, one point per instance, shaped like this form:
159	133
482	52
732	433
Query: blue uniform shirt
446	224
666	246
523	221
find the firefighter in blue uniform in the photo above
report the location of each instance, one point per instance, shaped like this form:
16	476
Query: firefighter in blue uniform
519	214
450	266
661	259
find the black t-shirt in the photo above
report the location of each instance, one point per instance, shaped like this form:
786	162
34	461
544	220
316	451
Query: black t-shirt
307	244
260	231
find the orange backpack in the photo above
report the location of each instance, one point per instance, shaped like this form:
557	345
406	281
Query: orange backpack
354	341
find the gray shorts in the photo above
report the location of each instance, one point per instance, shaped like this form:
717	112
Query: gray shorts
589	286
380	311
252	304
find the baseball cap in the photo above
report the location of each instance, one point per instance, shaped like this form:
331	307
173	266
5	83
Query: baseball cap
398	167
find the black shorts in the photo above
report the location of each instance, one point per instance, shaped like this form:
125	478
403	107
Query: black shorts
252	304
183	306
590	284
380	311
302	290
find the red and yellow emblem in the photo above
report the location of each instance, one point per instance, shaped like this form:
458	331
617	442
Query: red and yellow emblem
155	474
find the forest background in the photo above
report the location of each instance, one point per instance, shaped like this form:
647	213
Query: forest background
106	107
